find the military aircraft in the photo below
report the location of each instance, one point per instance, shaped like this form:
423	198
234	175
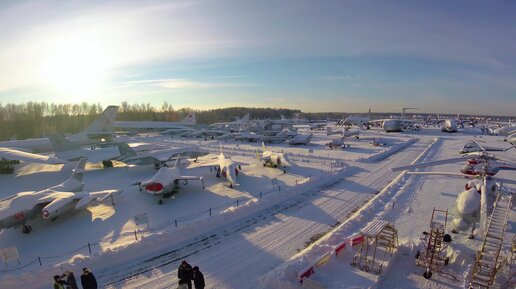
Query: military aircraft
50	203
100	129
166	181
300	140
273	159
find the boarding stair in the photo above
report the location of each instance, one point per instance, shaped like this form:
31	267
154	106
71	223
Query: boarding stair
488	260
511	278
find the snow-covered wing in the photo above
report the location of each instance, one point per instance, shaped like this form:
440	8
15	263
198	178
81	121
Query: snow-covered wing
13	154
95	197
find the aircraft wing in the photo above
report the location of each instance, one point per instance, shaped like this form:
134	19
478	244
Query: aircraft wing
90	198
160	156
12	154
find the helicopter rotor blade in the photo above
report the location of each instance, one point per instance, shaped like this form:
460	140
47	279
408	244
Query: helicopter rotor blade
428	164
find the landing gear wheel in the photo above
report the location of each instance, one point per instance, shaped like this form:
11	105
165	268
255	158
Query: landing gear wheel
26	229
160	202
446	260
107	164
418	253
427	274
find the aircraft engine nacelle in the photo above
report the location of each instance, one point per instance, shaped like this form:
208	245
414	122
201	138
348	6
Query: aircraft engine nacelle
57	207
275	159
154	188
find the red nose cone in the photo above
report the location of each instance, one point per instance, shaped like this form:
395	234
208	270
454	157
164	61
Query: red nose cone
45	214
156	187
19	216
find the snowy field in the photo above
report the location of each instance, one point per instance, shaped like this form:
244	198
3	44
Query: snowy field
261	233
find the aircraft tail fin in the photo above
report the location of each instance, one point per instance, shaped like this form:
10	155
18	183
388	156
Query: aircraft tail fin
245	118
189	119
126	151
264	148
79	169
103	124
369	113
61	144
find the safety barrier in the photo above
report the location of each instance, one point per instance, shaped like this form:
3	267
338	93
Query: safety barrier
326	257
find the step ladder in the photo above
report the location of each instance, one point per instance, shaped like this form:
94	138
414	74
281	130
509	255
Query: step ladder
433	256
488	259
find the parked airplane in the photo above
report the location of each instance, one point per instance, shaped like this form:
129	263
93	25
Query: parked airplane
504	130
300	140
122	152
233	124
50	203
225	167
17	155
450	126
184	124
345	133
66	150
361	121
273	159
165	182
99	130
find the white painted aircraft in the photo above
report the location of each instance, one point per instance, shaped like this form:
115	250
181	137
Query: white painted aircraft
166	181
50	203
361	121
122	152
224	167
182	125
17	155
273	159
450	126
345	133
300	139
233	124
504	130
66	150
99	130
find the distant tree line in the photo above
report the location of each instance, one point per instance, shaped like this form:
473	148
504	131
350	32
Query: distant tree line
39	119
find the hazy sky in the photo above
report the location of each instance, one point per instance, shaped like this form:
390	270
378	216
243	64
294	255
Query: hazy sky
440	56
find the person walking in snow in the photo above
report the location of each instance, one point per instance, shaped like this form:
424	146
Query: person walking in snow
60	283
198	278
70	279
88	280
184	272
182	284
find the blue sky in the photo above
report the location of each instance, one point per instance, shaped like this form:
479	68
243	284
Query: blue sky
440	56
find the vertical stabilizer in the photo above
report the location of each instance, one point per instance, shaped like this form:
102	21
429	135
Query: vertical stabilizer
103	124
189	119
61	144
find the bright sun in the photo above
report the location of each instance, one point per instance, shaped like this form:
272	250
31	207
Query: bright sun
76	68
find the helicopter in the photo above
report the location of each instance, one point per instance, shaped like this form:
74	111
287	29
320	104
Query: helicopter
480	191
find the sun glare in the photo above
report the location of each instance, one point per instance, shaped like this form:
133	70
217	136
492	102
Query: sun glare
76	68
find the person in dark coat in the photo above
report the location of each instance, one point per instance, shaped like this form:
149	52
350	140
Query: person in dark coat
88	280
184	272
70	279
58	282
198	278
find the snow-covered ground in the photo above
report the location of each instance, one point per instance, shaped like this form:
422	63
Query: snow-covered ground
282	222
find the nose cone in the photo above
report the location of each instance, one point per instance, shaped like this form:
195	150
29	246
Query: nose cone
154	188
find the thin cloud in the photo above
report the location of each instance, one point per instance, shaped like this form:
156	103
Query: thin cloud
184	84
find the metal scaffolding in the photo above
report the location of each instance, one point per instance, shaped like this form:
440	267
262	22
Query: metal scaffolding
380	239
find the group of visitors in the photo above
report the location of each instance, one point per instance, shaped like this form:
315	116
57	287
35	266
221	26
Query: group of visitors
67	280
187	274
